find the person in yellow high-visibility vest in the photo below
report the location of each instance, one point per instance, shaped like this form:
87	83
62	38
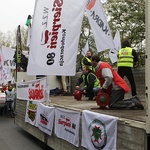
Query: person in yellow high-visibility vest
126	59
91	83
86	61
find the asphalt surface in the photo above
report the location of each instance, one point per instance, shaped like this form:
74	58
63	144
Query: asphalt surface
13	137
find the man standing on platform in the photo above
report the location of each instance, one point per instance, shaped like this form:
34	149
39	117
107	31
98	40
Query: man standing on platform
126	59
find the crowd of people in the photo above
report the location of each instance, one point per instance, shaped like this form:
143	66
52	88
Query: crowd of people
99	76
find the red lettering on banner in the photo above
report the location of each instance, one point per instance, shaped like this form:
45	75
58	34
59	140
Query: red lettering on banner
37	93
51	37
43	121
65	123
57	8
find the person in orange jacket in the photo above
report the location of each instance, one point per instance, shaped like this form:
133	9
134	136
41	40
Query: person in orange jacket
114	85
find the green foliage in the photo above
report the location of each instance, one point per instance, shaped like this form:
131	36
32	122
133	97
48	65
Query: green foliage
6	39
9	39
128	16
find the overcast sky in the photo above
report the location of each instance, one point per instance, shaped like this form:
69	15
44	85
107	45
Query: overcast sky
14	13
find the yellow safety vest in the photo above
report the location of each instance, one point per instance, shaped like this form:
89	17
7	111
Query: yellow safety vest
96	82
89	60
125	57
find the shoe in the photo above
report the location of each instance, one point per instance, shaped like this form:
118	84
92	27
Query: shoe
136	97
90	98
94	98
138	104
64	93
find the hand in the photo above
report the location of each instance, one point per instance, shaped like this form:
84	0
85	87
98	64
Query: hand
78	87
84	91
102	89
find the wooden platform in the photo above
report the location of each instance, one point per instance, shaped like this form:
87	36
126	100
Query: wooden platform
68	102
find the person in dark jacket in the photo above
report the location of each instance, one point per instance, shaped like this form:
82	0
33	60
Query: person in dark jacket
91	83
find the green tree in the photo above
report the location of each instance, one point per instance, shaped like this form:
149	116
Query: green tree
7	39
128	16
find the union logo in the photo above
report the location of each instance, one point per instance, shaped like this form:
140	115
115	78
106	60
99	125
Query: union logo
90	4
98	134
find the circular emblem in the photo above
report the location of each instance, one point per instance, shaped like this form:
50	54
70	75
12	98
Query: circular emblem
98	134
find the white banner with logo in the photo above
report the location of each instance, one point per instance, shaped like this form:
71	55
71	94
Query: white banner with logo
54	37
98	131
67	125
99	25
8	57
45	118
31	111
35	90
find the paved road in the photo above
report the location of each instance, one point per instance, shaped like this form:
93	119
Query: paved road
15	138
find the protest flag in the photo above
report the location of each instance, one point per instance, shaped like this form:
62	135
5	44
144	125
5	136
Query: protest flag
18	52
28	24
86	48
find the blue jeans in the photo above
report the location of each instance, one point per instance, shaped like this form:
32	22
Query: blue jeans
95	90
9	106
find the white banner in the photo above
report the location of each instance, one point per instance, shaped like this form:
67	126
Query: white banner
114	52
54	37
5	72
67	125
86	48
31	111
6	75
99	25
45	118
8	57
98	131
33	90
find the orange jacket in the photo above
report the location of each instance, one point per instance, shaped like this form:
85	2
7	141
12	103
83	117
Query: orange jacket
116	78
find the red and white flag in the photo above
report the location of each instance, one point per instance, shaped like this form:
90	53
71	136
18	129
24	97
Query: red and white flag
55	33
67	125
36	90
31	112
45	118
98	131
99	25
